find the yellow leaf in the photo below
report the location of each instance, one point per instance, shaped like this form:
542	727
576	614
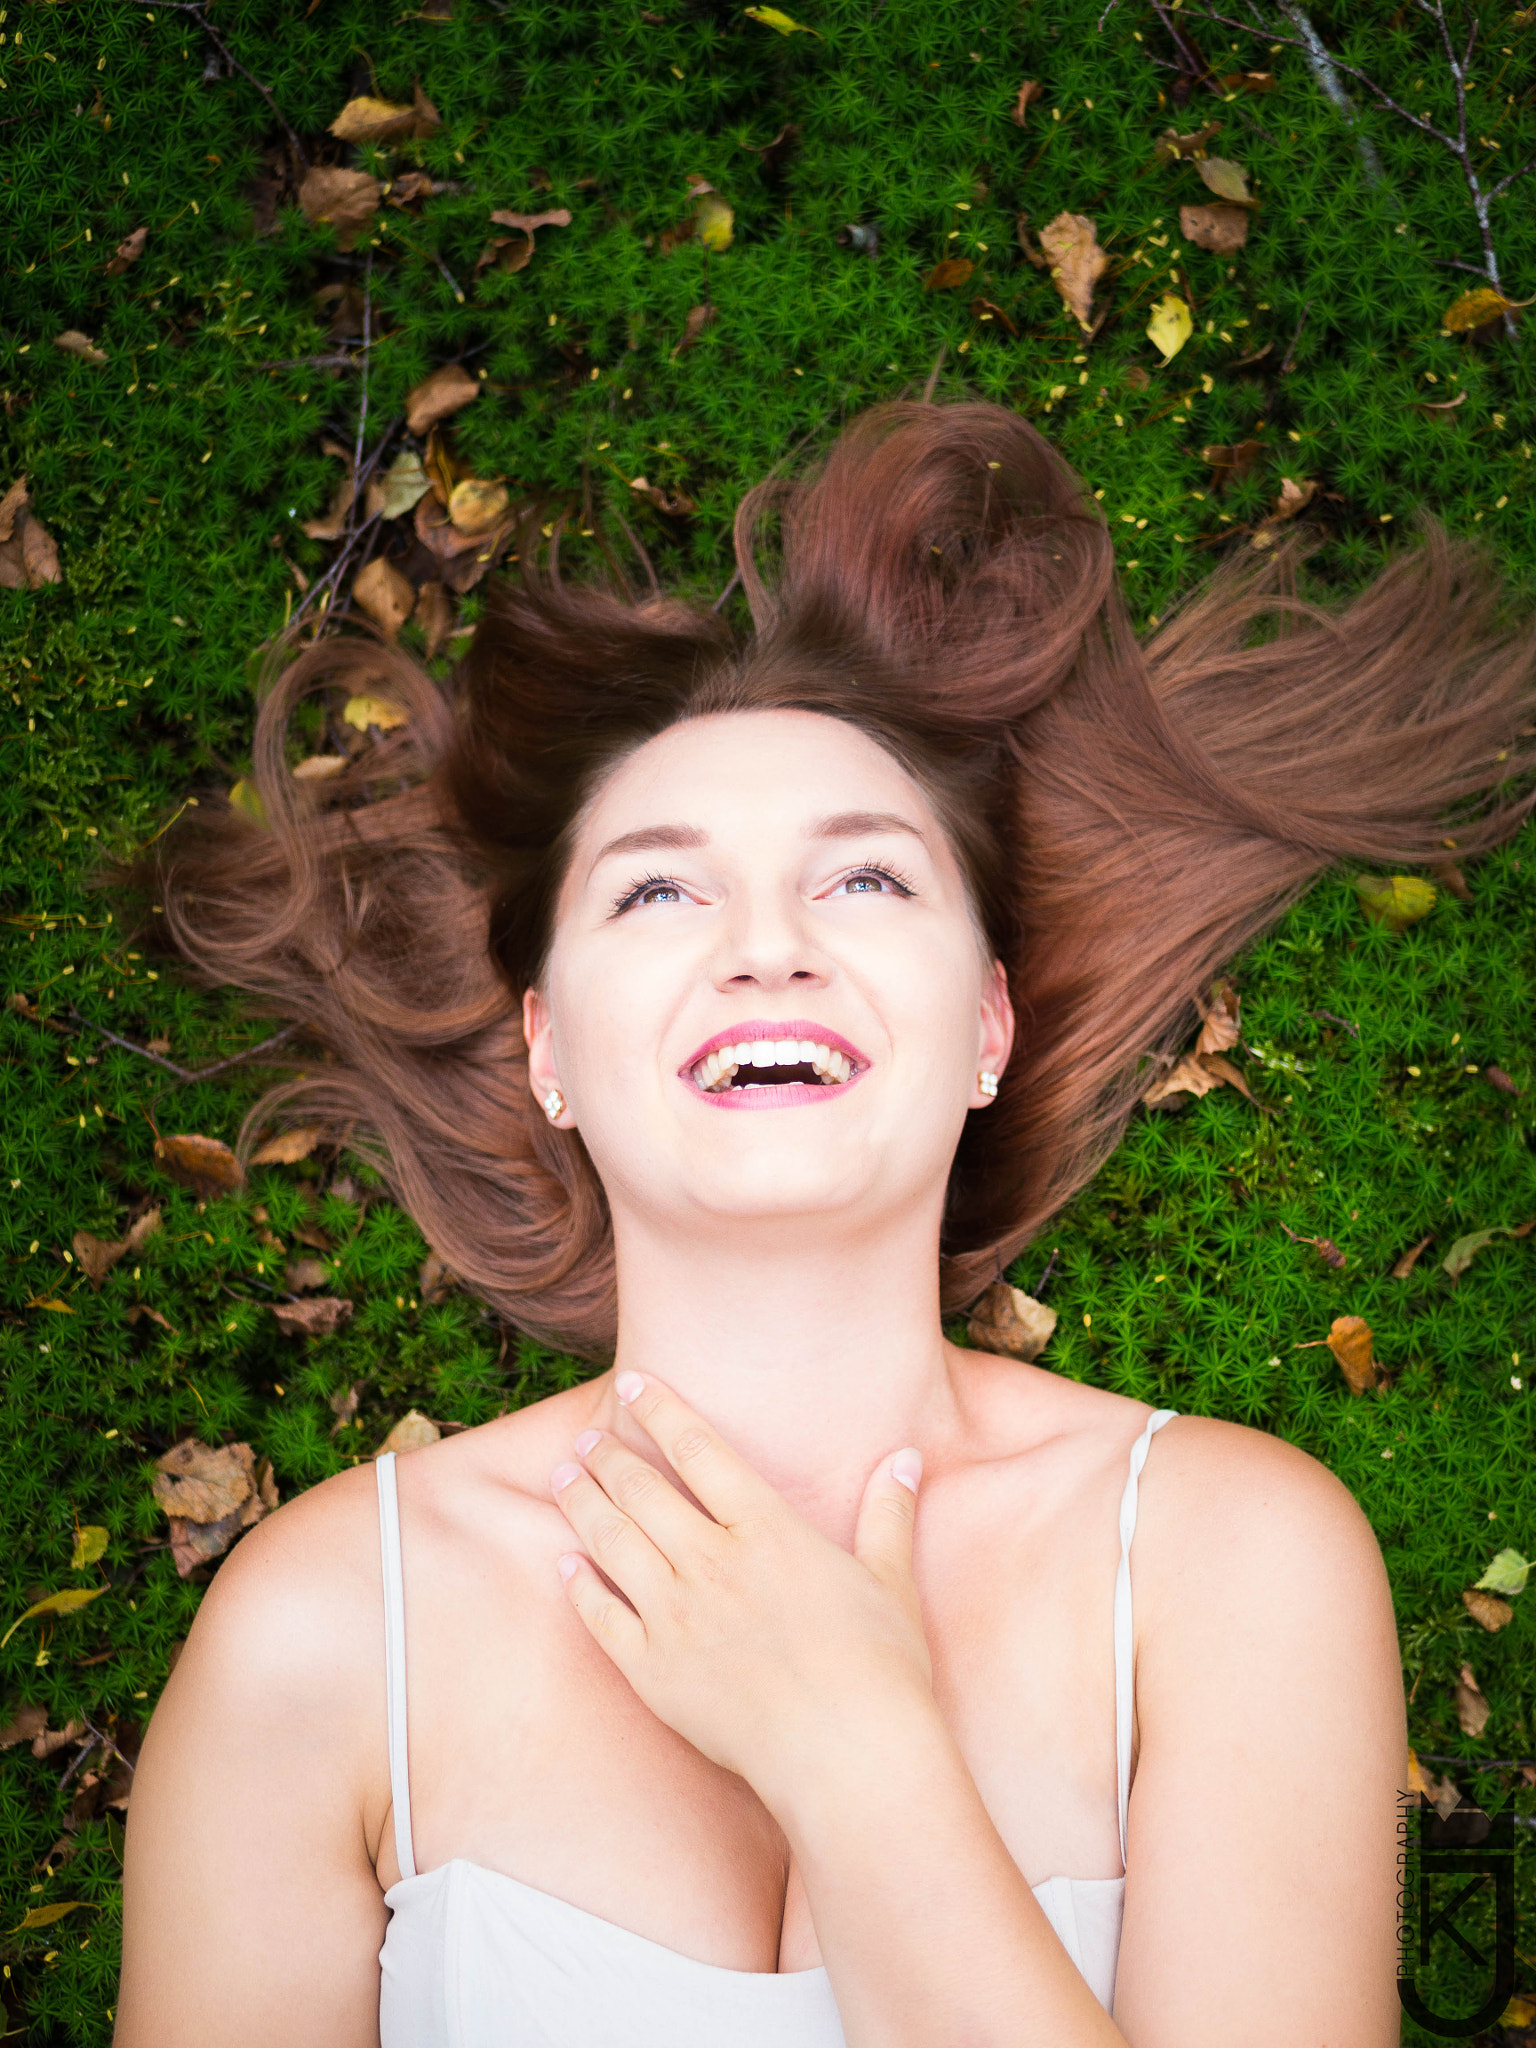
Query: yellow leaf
404	482
56	1603
44	1916
1170	325
371	120
60	1308
90	1544
1476	309
245	796
365	711
1519	2012
773	17
384	594
715	221
476	505
1349	1339
1227	180
1394	901
289	1146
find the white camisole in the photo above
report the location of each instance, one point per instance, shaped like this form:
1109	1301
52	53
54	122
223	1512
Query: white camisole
473	1958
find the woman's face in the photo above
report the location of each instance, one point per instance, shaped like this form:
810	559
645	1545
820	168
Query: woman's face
773	880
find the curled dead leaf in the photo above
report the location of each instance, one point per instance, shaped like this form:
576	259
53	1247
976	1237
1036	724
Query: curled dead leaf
1222	228
384	594
307	1276
1410	1258
28	555
1030	91
1350	1341
1220	1022
465	557
1441	1793
1232	462
516	252
1501	1081
1487	1609
374	120
987	309
677	504
347	199
435	1278
206	1165
317	1317
289	1146
98	1255
333	521
1011	1323
128	252
210	1495
448	390
946	276
477	505
698	319
26	1725
74	343
434	615
1229	181
1172	148
1472	1709
411	1433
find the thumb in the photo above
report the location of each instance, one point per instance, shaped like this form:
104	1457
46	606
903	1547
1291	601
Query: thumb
883	1538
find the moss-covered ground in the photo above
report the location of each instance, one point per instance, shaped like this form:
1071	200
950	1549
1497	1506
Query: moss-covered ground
175	476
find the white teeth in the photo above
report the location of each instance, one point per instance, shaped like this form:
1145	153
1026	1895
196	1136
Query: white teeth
806	1053
786	1053
716	1071
764	1053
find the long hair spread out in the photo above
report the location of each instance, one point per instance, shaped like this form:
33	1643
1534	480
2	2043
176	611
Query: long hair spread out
1128	814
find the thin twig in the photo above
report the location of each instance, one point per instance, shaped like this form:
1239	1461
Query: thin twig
362	410
337	362
453	283
1354	1029
1285	364
933	374
1049	1268
720	600
170	1066
197	14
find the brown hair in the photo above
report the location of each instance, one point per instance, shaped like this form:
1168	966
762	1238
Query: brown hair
1128	815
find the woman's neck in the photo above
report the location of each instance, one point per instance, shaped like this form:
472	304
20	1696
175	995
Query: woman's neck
812	1352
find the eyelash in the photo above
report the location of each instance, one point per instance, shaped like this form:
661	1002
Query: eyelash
897	881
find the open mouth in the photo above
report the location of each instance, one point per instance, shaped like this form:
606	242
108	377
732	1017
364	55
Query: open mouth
773	1063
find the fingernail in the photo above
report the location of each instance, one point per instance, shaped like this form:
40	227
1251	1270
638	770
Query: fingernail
568	1565
907	1466
586	1440
627	1385
563	1475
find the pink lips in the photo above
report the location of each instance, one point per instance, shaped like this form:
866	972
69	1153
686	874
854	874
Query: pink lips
791	1094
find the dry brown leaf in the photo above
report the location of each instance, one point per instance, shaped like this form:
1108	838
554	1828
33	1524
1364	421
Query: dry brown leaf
315	1318
435	1278
51	1739
371	120
28	556
1029	92
413	185
98	1255
448	390
465	557
1502	1081
384	594
1010	1322
318	767
1232	462
988	309
1450	877
677	504
518	248
1220	1025
307	1276
1410	1259
434	615
1472	1710
28	1723
1077	262
477	505
1349	1339
411	1433
347	199
74	343
140	1308
343	1405
1229	181
1487	1609
332	523
1172	148
206	1165
1191	1076
128	252
1035	255
290	1146
946	276
204	1482
1221	228
1441	1793
698	319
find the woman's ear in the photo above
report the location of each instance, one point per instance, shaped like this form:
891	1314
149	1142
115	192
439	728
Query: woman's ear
995	1038
543	1079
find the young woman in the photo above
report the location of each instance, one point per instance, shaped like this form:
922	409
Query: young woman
728	1011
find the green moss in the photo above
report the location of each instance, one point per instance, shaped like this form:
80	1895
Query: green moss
176	476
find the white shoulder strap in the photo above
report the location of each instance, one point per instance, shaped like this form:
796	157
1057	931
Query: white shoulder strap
1125	1676
394	1659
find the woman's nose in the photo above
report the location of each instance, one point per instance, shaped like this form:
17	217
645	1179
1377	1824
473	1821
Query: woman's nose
770	946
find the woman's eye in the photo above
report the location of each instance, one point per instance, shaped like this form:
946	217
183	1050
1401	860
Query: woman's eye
872	882
661	892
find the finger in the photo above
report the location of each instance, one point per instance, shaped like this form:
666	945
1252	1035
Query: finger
647	1496
620	1632
715	1475
614	1543
888	1518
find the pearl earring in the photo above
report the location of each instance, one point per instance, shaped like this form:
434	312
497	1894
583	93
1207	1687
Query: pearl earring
554	1105
986	1082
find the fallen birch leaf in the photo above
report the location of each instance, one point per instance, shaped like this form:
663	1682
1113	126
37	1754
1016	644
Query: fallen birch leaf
209	1496
98	1255
1220	1020
1191	1076
245	796
307	1276
332	522
347	199
363	712
1170	325
946	276
413	1432
65	1602
1233	461
373	120
1223	229
206	1165
1011	1323
434	615
315	1318
713	218
29	1725
1229	181
1487	1609
318	767
465	557
343	1405
448	390
288	1147
1394	901
128	252
1349	1339
384	594
1466	1249
775	18
90	1546
1029	92
1410	1258
45	1916
1477	308
1071	246
1441	1793
1472	1709
28	556
1172	148
698	319
1507	1574
74	343
519	254
477	505
399	488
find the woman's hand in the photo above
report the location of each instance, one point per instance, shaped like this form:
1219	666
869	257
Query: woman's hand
753	1635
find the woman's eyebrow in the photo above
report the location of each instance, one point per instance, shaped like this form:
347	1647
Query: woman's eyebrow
655	839
860	824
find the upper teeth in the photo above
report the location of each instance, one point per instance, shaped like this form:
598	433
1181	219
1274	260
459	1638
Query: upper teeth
716	1070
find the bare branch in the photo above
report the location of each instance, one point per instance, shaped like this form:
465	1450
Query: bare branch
170	1066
